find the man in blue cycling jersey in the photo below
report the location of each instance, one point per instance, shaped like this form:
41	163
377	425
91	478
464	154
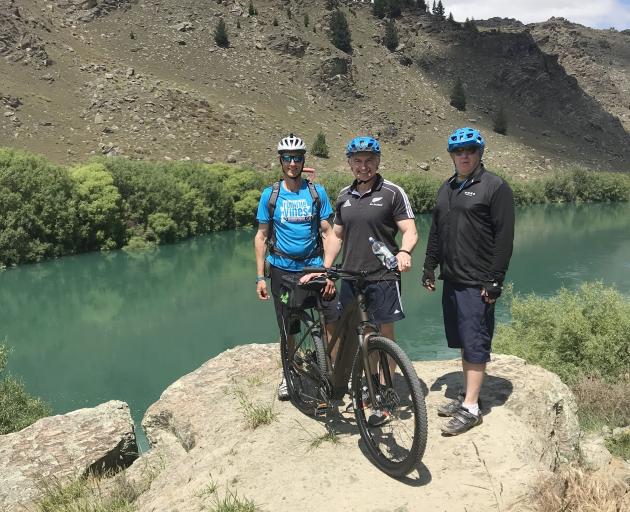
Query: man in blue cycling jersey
297	232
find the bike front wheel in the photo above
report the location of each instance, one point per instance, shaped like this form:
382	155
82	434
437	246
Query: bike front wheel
305	366
394	428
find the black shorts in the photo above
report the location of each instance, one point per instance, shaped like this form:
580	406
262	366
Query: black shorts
383	300
468	321
289	325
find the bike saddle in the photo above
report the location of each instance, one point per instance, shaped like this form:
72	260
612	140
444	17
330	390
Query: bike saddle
316	284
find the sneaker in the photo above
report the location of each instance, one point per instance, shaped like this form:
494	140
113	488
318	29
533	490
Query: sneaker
461	421
380	417
450	408
283	392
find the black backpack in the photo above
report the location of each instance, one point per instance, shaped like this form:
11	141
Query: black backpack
315	222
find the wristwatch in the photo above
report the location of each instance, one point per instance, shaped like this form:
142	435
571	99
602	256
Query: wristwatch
259	278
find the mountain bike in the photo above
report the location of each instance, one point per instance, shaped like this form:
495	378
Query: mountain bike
356	361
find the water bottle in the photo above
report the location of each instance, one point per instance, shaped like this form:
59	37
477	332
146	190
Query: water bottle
383	254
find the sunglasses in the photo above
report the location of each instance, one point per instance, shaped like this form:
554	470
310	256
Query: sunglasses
298	159
471	150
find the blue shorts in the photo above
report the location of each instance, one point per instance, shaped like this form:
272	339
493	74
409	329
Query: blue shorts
468	321
383	300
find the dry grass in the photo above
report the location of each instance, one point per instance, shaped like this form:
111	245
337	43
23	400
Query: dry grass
602	404
255	415
575	490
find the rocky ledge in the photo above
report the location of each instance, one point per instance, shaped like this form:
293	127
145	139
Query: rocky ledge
202	444
63	448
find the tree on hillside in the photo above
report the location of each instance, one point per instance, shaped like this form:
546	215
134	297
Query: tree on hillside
500	121
433	8
221	35
458	96
251	9
340	35
391	35
394	9
439	10
471	25
421	6
275	22
320	148
378	8
450	18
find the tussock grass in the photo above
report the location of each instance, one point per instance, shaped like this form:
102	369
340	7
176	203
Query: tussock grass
315	440
620	446
602	403
578	491
85	495
255	415
229	502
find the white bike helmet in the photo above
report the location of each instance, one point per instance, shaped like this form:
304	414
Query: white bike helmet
291	143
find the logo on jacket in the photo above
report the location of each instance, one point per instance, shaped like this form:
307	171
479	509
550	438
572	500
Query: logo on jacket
347	203
469	193
376	201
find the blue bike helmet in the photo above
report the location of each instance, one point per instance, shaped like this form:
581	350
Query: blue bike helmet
466	137
359	144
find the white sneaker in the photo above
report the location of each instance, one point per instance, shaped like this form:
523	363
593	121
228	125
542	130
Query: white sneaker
283	392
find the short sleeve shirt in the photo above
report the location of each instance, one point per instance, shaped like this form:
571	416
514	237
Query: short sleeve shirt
373	214
293	224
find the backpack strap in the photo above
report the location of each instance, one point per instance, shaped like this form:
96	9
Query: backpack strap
271	208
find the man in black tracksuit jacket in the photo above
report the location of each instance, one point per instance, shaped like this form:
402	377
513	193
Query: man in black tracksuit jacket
471	239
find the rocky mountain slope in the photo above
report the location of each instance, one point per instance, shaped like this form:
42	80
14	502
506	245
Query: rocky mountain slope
145	79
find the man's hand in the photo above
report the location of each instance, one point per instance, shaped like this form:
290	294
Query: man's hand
261	290
404	261
329	290
428	280
491	292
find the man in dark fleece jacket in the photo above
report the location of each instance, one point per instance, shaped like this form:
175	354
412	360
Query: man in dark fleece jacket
471	238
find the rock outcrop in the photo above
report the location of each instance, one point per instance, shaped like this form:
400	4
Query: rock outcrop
530	425
61	448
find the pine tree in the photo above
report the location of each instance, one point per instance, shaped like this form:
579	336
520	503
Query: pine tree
378	9
433	8
470	25
221	35
439	10
275	22
251	10
391	36
458	96
450	17
500	122
320	148
306	20
421	6
393	8
340	35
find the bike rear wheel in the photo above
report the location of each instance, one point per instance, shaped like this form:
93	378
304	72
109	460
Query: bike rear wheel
396	446
305	366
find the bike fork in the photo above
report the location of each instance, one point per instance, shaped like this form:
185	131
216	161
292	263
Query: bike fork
363	347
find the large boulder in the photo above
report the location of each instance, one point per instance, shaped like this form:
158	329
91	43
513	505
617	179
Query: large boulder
529	426
62	448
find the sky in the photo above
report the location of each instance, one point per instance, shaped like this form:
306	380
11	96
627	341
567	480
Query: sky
597	14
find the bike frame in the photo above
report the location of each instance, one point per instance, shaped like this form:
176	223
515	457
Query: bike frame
342	365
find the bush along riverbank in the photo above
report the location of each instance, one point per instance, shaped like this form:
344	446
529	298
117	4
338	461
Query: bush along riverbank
584	337
47	210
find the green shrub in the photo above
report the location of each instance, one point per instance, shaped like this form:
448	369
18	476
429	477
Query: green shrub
391	36
38	217
18	409
574	334
340	32
99	210
221	35
320	148
458	95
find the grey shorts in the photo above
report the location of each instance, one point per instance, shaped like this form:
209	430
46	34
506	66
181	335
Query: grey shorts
383	300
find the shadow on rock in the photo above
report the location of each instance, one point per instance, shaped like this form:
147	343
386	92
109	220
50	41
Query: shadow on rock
494	393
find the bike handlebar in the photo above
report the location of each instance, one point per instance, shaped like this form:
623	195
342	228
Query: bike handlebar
336	272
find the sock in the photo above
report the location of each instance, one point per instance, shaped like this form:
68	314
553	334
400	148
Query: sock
472	409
